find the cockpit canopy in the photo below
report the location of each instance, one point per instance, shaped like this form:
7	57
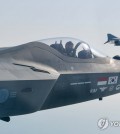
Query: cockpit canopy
72	47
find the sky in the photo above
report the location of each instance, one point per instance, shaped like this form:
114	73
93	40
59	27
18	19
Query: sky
29	20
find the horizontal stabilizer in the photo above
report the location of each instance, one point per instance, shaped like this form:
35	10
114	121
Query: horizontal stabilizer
106	42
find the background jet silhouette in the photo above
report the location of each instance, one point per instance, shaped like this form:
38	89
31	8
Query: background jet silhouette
113	40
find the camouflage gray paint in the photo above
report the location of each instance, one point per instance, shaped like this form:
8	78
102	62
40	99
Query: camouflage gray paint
35	77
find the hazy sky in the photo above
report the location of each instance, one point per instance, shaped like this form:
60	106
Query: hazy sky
90	20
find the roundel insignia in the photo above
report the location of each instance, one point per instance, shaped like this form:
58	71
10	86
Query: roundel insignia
4	94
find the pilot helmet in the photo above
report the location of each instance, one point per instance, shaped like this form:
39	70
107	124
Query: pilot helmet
69	46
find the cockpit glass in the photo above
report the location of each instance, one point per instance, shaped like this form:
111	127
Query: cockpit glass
72	47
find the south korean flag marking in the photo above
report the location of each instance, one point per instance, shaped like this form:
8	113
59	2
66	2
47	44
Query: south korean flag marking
113	80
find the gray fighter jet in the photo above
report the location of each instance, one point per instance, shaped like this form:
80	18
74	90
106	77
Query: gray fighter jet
113	40
52	73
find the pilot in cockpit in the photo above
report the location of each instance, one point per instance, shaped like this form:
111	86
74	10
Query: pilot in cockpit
69	50
85	54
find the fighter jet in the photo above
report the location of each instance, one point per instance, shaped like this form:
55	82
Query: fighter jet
113	40
52	73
